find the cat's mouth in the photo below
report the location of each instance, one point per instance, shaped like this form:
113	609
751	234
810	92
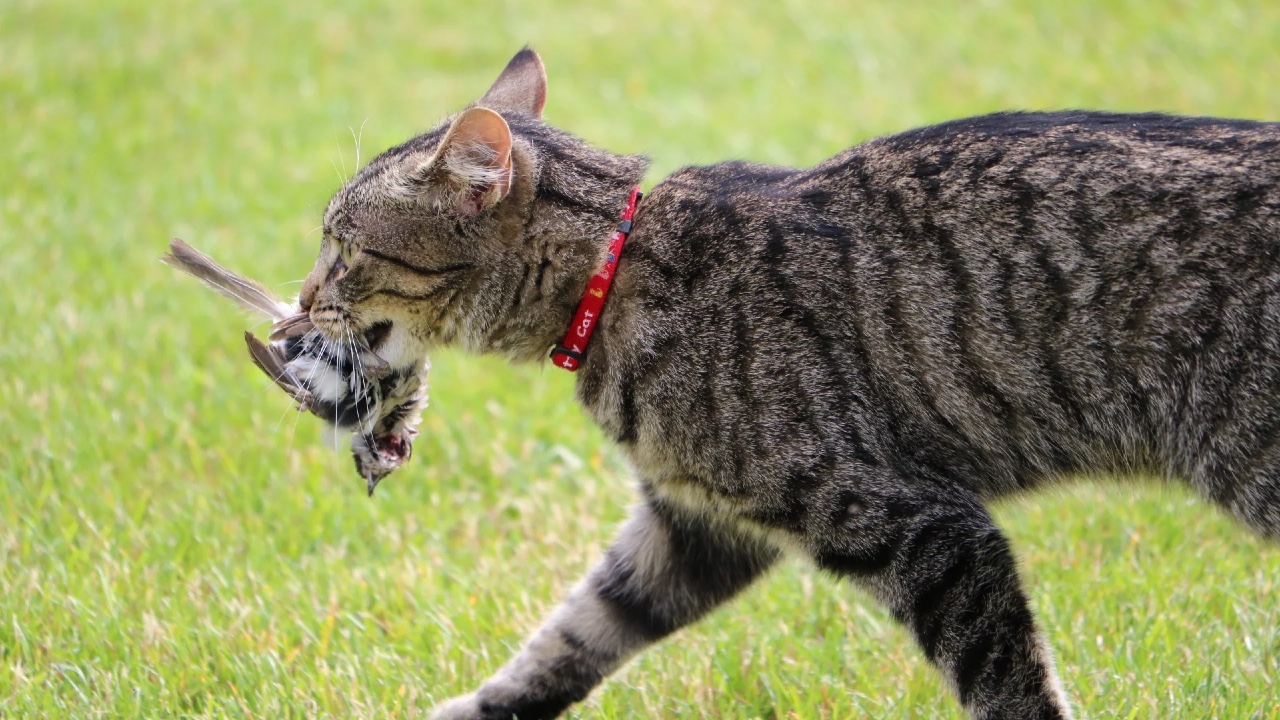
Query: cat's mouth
377	334
389	343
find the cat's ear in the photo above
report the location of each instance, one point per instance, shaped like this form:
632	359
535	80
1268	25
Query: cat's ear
522	86
475	160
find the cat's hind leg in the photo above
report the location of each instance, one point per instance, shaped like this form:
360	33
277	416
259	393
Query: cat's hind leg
667	568
946	572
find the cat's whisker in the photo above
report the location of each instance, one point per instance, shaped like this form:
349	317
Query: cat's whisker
369	386
338	146
357	139
306	382
357	375
280	421
333	349
337	172
297	416
309	381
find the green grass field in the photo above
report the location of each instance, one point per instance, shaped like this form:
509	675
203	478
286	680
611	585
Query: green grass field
176	542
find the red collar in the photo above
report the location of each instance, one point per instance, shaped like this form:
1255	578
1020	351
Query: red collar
572	350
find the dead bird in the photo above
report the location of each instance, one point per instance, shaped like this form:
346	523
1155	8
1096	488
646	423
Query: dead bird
343	382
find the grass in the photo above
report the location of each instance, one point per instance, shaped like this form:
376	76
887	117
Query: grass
174	542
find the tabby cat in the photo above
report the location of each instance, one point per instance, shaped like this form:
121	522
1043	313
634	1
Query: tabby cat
847	362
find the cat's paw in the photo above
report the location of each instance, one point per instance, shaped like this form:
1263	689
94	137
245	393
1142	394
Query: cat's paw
463	707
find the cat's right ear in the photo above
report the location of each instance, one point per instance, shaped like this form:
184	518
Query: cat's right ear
522	86
472	168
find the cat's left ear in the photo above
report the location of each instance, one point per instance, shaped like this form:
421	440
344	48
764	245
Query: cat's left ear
475	159
522	86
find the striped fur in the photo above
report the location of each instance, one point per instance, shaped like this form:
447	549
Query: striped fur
850	360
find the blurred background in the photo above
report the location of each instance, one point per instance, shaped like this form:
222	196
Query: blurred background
175	541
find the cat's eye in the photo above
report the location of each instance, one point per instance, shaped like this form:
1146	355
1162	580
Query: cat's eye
347	252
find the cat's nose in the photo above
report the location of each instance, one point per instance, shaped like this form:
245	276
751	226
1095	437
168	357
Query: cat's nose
308	295
317	280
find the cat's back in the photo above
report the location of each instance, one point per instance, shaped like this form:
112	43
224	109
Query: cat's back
1021	293
975	169
1063	138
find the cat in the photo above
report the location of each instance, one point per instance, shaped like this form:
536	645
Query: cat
846	362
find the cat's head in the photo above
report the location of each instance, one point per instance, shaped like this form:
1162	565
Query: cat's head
481	232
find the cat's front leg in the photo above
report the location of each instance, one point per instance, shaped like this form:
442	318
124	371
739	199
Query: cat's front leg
667	568
946	572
